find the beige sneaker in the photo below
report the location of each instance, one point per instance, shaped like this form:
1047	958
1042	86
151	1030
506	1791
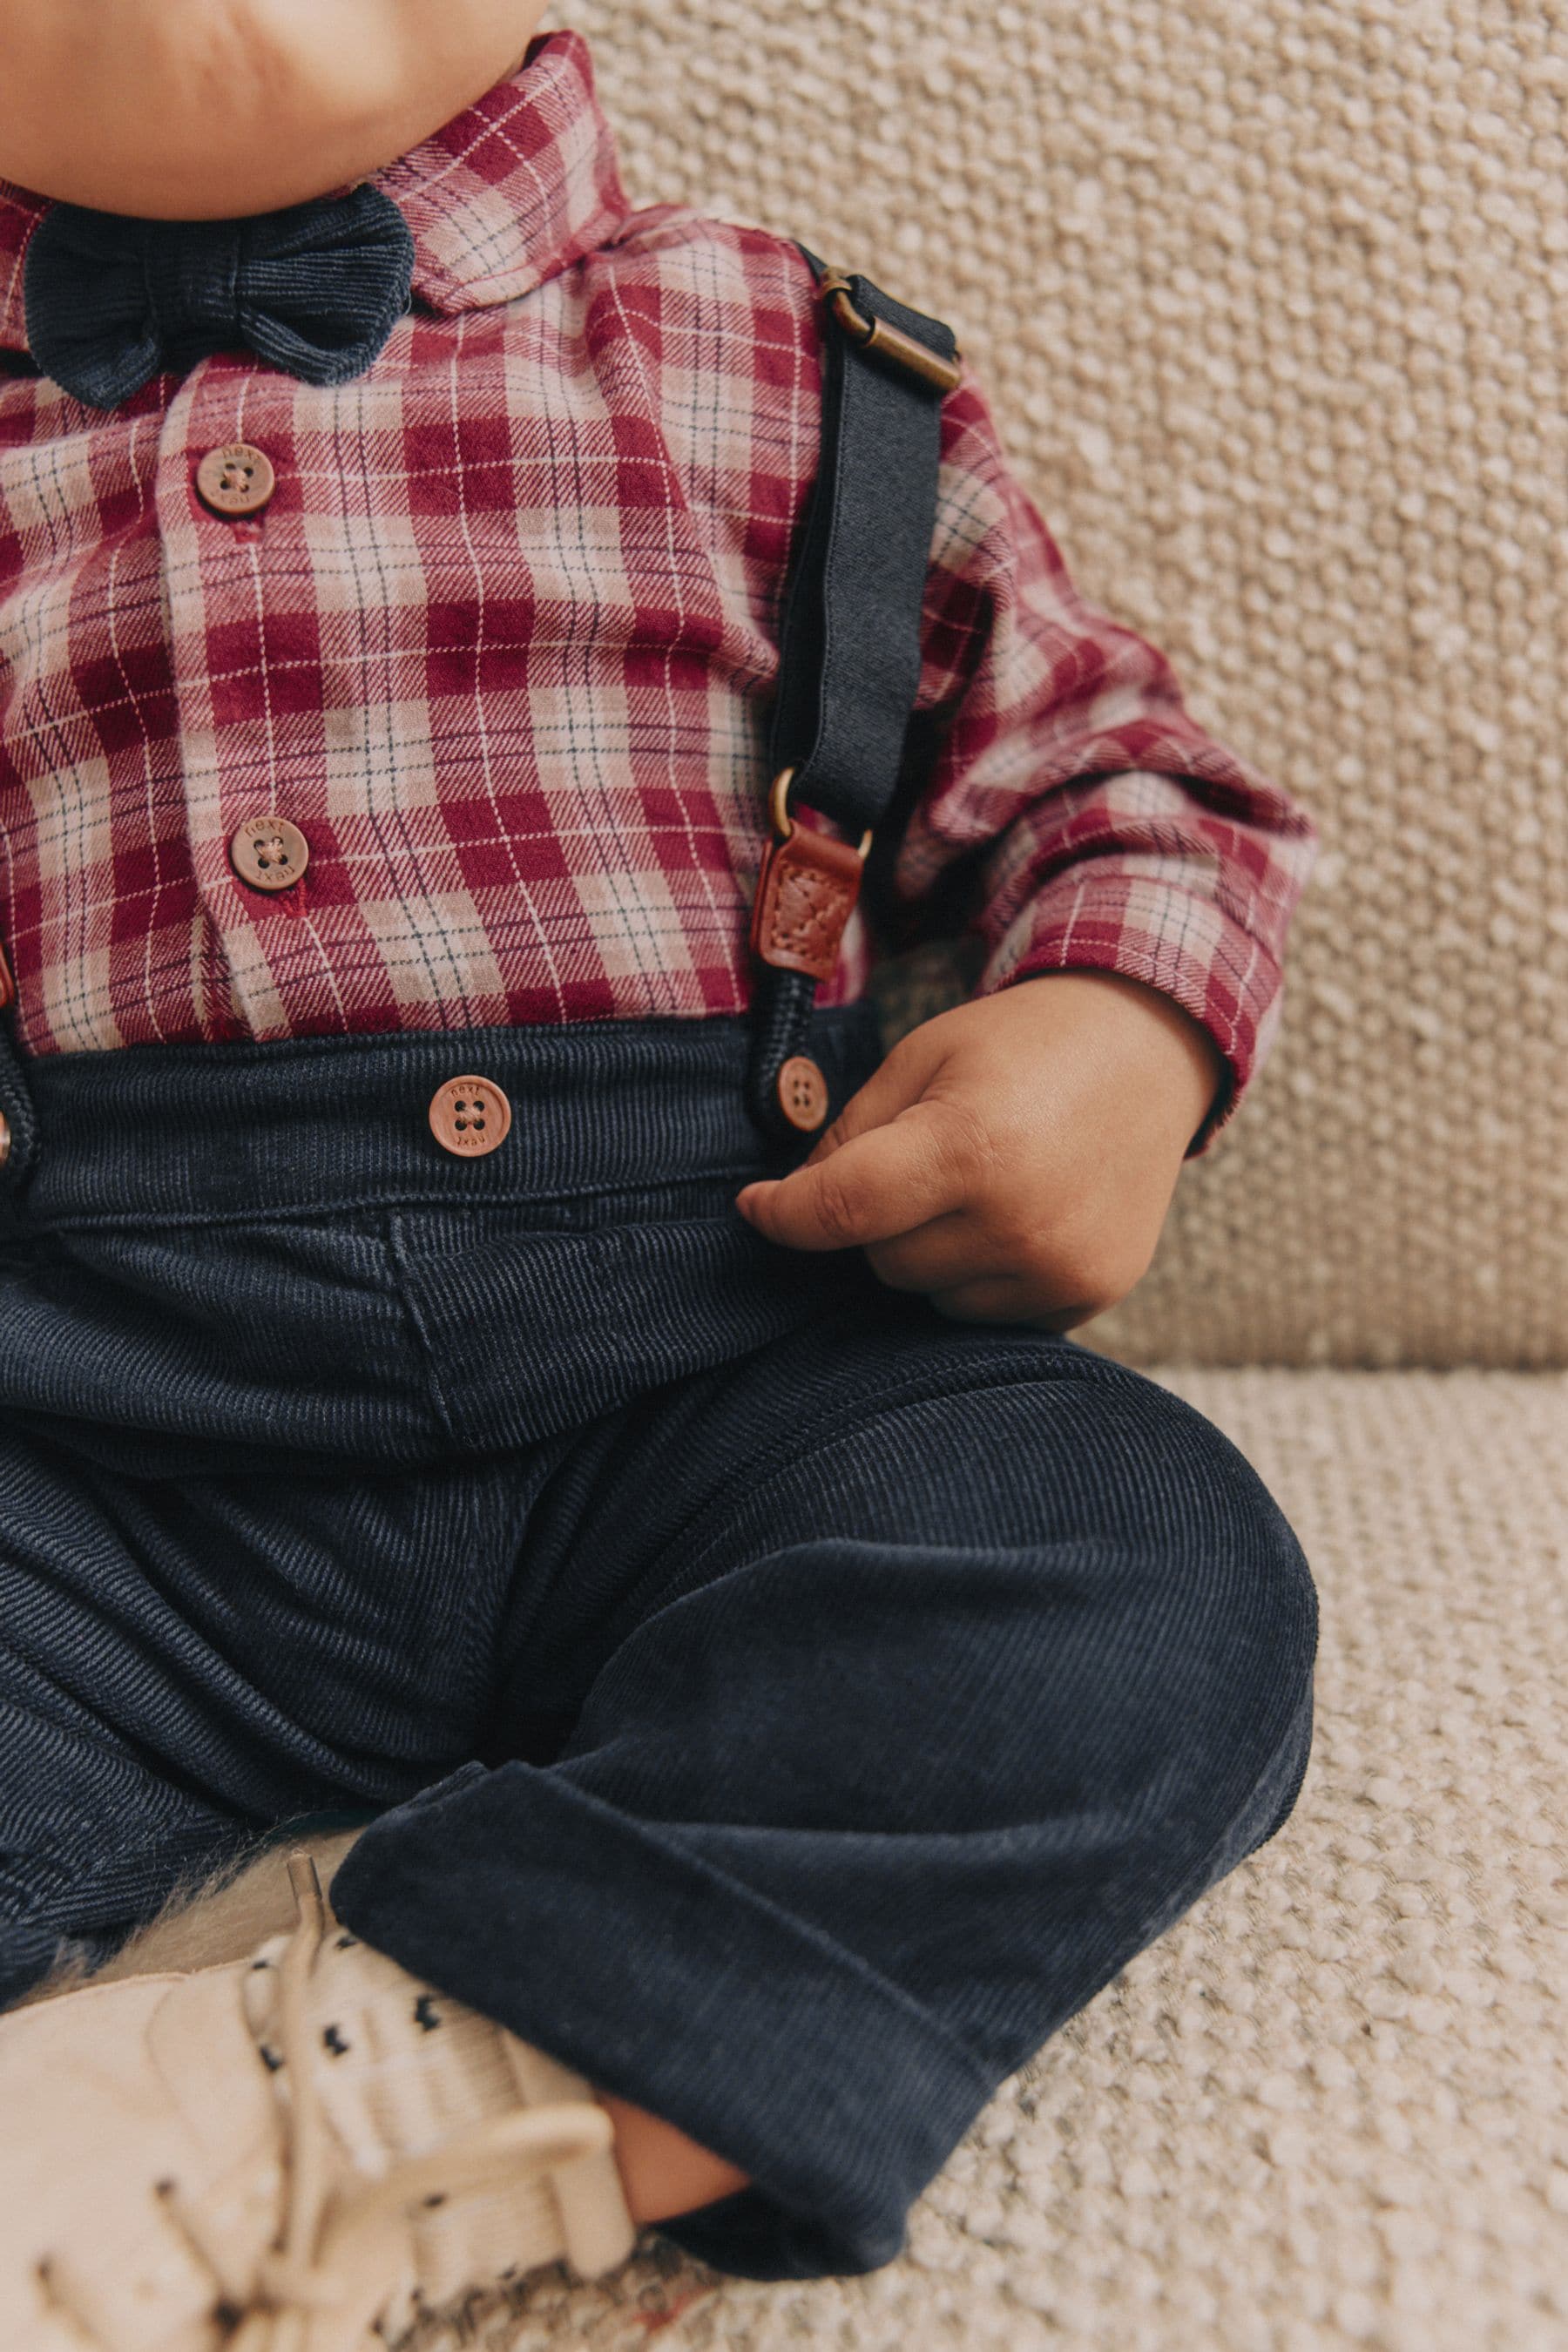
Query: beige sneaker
298	2153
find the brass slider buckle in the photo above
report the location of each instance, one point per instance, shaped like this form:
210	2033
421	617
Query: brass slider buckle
783	823
890	343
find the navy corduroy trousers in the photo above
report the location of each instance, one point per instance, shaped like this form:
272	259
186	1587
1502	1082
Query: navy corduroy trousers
782	1705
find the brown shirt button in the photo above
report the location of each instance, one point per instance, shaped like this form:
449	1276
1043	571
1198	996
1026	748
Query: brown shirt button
235	480
803	1093
470	1117
269	853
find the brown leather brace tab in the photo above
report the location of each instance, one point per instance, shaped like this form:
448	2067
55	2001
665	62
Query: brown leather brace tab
805	894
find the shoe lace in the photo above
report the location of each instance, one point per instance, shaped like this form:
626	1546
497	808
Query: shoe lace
327	2238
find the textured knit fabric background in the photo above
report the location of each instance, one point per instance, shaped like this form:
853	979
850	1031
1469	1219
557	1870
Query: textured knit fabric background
1329	2111
1270	297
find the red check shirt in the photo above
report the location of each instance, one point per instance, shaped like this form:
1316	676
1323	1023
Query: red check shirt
502	646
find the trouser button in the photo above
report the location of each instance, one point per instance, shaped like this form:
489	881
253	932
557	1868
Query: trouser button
470	1117
801	1094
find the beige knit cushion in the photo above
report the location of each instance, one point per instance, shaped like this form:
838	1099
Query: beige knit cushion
1329	2111
1271	300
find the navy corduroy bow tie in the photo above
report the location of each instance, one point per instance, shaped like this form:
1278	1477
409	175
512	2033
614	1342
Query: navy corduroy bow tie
315	289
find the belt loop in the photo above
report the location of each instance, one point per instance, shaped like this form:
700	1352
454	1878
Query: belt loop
19	1132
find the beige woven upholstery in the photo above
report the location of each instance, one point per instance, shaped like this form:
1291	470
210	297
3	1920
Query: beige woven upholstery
1269	295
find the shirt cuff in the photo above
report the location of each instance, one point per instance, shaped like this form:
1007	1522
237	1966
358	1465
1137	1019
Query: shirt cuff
1170	937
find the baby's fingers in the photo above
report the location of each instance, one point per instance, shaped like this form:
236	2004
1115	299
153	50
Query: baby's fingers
938	1255
969	1275
1004	1298
872	1187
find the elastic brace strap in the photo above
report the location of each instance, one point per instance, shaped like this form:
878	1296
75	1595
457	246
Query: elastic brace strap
850	655
850	650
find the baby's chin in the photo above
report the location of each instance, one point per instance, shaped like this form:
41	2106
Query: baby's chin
172	153
223	178
150	186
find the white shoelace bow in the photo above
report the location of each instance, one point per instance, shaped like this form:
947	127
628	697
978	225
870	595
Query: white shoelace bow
330	2244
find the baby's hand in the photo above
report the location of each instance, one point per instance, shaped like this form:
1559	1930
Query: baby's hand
1014	1158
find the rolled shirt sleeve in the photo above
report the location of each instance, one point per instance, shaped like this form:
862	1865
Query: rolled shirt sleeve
1090	823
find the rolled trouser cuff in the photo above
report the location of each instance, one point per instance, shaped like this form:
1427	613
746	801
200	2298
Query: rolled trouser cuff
610	1942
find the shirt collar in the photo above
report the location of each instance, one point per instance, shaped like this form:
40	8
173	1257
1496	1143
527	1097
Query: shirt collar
509	194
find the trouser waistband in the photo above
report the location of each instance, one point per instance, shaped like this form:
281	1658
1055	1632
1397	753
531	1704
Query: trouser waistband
266	1246
179	1134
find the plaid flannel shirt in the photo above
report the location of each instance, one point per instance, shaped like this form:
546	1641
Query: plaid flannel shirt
503	645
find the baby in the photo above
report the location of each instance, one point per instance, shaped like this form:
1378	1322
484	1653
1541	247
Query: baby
541	1476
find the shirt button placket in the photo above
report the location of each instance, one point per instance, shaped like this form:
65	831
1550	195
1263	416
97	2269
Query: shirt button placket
223	461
